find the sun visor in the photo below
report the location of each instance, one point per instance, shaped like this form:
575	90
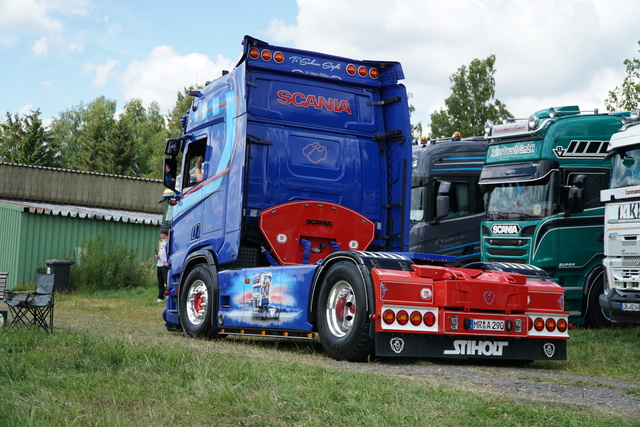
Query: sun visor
529	171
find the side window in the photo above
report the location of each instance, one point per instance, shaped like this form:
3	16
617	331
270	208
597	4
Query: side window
594	182
480	198
417	203
458	193
193	171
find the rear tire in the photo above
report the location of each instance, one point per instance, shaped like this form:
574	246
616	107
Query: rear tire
197	306
342	315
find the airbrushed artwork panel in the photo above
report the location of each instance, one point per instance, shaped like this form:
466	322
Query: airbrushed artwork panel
267	297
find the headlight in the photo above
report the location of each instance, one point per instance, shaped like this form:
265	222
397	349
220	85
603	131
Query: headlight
635	115
533	122
552	112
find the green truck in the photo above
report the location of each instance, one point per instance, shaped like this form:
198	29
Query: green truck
542	178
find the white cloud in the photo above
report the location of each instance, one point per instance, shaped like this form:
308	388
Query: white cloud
40	47
164	73
547	53
25	109
35	17
8	41
29	16
103	71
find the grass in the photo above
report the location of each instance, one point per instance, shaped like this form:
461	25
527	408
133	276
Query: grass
111	362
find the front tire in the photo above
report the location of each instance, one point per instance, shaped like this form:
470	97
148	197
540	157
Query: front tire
596	316
342	314
197	305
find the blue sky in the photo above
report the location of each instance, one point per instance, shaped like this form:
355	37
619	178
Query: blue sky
56	54
59	53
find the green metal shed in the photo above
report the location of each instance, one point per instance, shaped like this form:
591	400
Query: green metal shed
31	233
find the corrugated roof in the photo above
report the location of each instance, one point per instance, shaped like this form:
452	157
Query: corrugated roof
134	178
86	212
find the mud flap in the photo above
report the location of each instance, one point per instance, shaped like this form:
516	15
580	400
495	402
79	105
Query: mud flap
440	346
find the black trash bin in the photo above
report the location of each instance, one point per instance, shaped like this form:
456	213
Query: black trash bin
60	268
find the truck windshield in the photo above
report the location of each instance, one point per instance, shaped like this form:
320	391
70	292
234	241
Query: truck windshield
519	200
626	169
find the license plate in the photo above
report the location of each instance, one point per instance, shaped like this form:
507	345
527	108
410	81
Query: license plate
630	306
486	325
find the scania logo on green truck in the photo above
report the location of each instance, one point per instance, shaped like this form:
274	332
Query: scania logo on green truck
505	229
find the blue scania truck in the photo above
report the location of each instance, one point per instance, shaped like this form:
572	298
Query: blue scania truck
291	220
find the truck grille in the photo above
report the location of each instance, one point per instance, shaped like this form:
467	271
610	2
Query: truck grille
515	248
627	279
631	261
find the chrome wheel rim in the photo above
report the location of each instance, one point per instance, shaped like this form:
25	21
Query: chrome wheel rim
197	299
341	309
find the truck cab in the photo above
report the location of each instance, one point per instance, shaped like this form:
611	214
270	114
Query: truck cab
543	178
447	205
621	296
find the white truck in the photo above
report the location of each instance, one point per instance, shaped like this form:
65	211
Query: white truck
621	297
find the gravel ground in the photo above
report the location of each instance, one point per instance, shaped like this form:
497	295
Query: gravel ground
608	396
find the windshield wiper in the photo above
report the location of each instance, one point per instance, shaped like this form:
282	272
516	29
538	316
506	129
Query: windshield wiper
521	215
497	215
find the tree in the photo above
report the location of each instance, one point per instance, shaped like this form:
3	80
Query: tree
626	97
11	133
416	130
182	105
95	138
471	102
25	140
147	134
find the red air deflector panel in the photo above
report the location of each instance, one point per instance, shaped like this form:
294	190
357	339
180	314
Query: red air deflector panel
304	232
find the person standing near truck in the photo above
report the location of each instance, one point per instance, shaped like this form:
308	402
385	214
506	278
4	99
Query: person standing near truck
162	268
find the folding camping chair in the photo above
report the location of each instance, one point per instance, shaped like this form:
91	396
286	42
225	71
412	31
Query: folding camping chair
33	307
3	284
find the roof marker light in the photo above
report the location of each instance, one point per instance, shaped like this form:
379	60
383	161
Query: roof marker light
487	127
266	55
374	73
351	69
362	70
278	57
254	53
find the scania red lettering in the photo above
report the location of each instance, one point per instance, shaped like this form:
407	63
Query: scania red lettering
318	102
